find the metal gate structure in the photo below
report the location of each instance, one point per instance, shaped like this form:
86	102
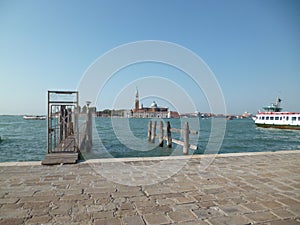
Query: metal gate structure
62	122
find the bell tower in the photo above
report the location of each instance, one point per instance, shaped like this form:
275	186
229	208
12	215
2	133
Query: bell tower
137	101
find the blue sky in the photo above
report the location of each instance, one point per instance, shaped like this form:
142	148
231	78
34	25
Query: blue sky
252	47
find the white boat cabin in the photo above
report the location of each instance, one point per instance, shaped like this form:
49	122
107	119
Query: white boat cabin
278	118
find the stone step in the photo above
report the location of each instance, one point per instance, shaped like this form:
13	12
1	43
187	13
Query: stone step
60	158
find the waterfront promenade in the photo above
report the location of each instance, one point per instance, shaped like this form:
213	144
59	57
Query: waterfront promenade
249	188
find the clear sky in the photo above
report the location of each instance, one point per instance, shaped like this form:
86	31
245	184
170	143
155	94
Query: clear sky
252	47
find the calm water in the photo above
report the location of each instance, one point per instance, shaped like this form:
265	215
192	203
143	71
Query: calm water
25	140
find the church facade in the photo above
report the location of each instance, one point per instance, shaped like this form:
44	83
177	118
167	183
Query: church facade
149	112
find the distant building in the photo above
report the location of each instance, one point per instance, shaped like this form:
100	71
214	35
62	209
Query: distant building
151	112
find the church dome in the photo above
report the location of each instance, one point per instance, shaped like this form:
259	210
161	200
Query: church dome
153	105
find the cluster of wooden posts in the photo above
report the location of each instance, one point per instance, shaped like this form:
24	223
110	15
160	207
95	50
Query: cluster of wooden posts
168	138
85	134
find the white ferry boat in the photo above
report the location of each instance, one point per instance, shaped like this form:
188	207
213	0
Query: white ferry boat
273	117
32	117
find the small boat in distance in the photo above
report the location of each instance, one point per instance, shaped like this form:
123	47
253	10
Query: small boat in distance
273	117
33	117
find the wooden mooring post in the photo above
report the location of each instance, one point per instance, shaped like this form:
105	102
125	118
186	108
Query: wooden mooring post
149	130
169	135
89	128
186	138
153	132
168	138
161	134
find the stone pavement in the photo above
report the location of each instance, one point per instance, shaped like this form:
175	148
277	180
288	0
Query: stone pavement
262	188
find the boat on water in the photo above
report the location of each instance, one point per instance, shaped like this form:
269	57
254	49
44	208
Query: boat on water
33	117
273	117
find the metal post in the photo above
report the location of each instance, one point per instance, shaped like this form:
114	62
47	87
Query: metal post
76	129
61	123
49	125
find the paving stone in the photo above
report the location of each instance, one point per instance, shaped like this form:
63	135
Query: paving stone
253	206
74	197
126	206
111	221
9	200
182	215
284	188
208	212
80	217
230	220
36	205
12	221
205	198
145	203
238	200
252	196
38	199
100	199
39	219
99	190
207	204
45	193
121	200
262	216
197	222
109	206
124	213
16	213
154	209
295	211
190	206
184	200
39	212
166	201
94	208
11	206
233	209
284	222
79	213
283	213
126	194
156	219
290	202
271	204
102	215
136	220
61	209
137	199
61	219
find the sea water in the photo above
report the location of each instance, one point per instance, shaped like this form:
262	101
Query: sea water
26	140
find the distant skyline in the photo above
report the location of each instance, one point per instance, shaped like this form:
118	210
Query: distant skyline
252	47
